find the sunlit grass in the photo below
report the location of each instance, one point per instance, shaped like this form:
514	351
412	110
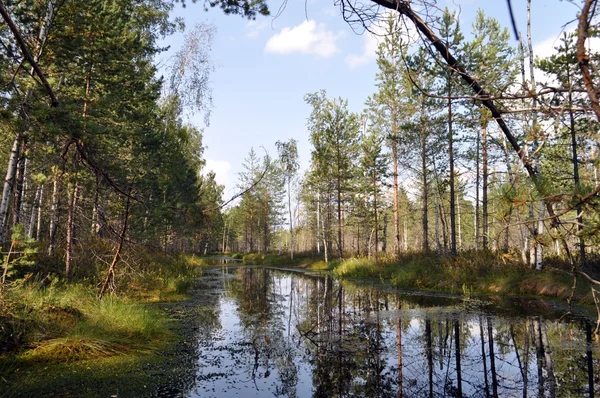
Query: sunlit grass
68	322
357	268
472	272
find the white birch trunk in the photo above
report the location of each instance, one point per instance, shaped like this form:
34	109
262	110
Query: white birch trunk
437	222
318	225
9	183
291	221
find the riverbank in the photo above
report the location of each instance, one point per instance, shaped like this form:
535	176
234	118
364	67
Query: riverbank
58	339
469	273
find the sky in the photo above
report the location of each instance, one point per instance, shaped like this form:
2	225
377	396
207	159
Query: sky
265	67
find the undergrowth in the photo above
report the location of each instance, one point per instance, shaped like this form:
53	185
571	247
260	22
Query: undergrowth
471	271
44	318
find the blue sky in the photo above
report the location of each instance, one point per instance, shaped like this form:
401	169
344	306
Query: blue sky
265	67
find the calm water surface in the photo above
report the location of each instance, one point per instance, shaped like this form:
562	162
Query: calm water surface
277	333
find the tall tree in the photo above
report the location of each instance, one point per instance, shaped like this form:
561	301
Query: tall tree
374	167
334	133
492	62
288	156
450	31
385	107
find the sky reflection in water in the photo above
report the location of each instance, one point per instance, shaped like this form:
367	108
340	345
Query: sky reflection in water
276	333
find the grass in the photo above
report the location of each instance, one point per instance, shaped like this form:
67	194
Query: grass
67	322
468	273
54	333
357	268
471	272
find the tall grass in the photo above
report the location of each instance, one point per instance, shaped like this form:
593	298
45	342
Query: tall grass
357	268
65	323
471	271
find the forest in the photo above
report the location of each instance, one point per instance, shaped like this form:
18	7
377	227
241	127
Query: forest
470	149
429	166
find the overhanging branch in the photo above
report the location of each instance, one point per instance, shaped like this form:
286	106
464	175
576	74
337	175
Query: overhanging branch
27	54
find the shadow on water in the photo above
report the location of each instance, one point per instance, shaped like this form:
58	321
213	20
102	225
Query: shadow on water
269	332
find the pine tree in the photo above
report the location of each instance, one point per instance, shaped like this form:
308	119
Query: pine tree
334	133
386	108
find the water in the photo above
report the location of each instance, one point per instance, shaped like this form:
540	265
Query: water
280	333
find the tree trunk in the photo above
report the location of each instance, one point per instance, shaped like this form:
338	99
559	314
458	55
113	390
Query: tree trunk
95	229
582	57
540	224
318	223
339	214
291	221
395	183
70	230
53	217
477	184
34	207
9	183
424	193
459	227
384	242
405	237
436	212
376	226
575	162
452	188
19	187
484	172
111	270
540	231
224	235
39	216
323	233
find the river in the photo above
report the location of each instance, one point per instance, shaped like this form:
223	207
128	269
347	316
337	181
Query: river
268	332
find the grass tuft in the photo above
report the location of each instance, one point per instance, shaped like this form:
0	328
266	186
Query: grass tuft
357	268
69	349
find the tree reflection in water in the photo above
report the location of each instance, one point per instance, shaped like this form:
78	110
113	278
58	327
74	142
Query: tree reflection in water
301	335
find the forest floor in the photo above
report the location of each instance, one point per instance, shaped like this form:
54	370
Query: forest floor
60	340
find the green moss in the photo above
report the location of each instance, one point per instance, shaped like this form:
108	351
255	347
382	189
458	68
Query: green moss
126	375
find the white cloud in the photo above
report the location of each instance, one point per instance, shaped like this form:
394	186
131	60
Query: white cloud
255	28
547	48
306	38
221	169
370	43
